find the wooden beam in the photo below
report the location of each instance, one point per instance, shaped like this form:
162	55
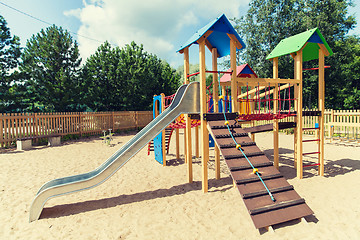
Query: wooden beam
299	156
323	50
251	92
204	36
208	45
177	143
276	121
163	132
216	108
268	92
266	81
234	101
322	109
203	110
187	130
235	40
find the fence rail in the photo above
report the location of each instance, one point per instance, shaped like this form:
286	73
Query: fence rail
41	125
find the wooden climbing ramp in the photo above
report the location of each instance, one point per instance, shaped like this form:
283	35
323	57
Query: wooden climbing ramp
263	210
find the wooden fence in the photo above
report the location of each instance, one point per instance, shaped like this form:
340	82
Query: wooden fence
41	125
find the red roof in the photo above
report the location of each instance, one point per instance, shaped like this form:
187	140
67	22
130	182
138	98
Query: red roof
243	71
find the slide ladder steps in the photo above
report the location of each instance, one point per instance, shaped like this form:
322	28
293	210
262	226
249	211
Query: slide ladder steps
263	211
168	134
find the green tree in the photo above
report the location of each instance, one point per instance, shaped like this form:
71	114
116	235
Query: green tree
50	66
267	22
9	58
126	79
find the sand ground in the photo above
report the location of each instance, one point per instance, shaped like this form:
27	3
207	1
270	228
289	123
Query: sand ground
145	200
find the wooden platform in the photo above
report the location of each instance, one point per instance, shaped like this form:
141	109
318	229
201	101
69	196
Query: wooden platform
263	211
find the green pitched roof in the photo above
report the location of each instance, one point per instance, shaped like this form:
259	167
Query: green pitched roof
293	44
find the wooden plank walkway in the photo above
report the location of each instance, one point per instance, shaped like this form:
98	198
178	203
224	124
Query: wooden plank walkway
263	211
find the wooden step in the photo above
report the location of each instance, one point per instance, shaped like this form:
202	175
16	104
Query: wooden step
264	192
245	167
277	206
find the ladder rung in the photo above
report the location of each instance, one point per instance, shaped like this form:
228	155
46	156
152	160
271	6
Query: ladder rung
229	135
265	164
264	192
256	179
311	153
243	144
311	165
253	154
312	140
277	206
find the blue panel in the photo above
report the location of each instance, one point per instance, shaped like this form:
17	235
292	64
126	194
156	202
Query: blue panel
158	148
247	70
211	141
218	37
315	38
158	139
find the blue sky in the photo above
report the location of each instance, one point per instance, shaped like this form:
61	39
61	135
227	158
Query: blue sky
162	26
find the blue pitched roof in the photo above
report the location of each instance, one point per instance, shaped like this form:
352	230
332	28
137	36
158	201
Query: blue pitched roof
218	38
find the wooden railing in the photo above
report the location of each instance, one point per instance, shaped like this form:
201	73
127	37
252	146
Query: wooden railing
343	124
19	125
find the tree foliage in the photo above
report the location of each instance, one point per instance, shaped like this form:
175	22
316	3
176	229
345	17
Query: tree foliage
9	58
267	22
126	79
50	67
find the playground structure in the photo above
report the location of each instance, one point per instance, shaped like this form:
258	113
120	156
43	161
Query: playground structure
269	198
261	98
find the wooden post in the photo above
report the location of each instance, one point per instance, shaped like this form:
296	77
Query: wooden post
177	143
187	132
295	118
276	121
163	132
197	154
216	108
299	156
322	109
234	101
203	110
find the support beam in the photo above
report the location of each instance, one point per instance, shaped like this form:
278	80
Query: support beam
197	143
187	130
234	101
322	109
203	110
177	143
276	121
299	156
216	108
163	140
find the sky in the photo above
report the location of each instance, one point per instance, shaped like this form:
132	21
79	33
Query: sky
162	26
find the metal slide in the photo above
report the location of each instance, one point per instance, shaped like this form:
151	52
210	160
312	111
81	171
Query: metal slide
186	100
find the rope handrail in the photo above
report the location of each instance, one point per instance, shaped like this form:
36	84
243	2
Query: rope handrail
238	146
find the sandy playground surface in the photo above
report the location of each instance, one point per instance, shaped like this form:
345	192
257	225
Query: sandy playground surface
145	200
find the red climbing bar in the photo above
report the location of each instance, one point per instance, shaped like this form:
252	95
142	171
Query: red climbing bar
311	153
315	68
311	165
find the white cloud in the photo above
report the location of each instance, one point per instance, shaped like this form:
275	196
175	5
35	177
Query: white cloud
158	24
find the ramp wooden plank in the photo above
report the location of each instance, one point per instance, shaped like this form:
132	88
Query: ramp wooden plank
255	197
